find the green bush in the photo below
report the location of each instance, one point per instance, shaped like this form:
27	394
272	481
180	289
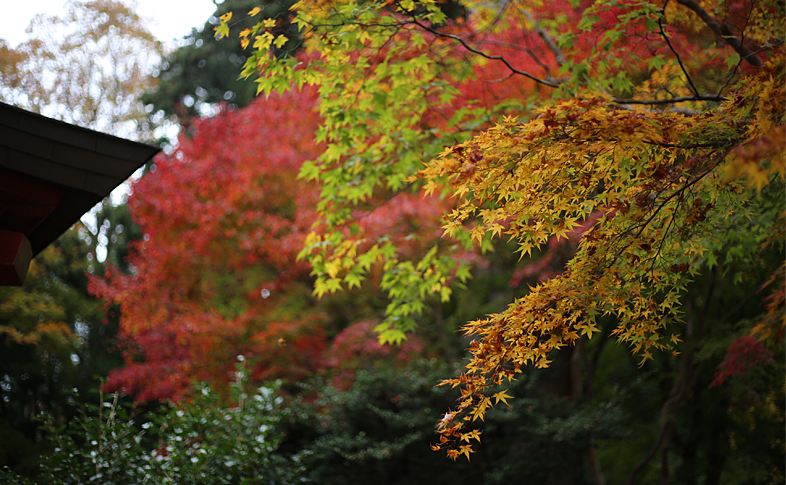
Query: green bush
205	441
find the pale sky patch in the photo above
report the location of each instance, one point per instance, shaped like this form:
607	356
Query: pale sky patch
166	19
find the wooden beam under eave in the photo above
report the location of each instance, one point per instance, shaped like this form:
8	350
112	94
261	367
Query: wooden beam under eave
15	256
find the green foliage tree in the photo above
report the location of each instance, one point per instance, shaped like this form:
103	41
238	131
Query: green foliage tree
378	431
202	72
52	342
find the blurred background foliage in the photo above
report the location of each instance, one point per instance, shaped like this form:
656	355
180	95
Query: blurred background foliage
366	413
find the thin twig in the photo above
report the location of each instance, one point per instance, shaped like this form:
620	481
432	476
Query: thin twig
546	38
679	99
671	47
547	82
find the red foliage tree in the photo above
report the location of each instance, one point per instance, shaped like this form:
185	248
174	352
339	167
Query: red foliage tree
217	273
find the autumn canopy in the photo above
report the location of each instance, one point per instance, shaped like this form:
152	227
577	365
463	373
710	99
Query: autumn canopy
655	130
630	155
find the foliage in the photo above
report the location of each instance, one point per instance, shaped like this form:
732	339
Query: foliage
87	67
217	272
52	342
379	428
655	131
55	336
204	441
203	286
91	66
375	430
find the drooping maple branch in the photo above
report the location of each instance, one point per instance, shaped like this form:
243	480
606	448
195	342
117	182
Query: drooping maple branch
724	31
644	223
554	83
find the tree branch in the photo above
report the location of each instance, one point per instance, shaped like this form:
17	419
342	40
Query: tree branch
671	47
665	432
679	99
555	83
547	82
546	38
724	31
595	471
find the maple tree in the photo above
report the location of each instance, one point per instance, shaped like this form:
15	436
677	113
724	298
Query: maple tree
221	235
655	130
217	273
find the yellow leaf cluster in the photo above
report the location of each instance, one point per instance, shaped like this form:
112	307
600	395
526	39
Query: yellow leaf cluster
638	190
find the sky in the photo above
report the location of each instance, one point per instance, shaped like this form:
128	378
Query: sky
167	19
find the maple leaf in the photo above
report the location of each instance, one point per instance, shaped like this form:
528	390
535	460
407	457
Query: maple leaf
502	396
465	450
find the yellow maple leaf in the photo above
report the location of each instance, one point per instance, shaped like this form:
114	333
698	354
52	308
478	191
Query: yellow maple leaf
465	450
502	396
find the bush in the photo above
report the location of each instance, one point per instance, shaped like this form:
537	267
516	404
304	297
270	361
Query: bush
205	441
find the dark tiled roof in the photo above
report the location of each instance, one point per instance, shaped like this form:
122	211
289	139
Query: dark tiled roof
57	160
